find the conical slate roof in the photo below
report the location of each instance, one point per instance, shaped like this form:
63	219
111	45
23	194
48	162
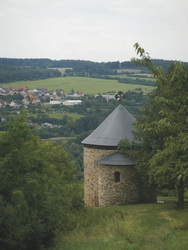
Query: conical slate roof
117	126
116	159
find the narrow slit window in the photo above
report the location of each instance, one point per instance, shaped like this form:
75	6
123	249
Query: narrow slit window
117	176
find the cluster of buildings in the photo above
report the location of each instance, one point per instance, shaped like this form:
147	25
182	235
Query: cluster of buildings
38	95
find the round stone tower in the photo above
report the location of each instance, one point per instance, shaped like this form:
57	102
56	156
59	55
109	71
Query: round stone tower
110	178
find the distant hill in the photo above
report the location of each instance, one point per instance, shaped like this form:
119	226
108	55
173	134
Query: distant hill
48	63
12	69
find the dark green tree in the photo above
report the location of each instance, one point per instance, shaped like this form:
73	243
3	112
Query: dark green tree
37	194
161	143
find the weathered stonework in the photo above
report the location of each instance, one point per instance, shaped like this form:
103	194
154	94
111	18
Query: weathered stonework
110	192
91	174
100	187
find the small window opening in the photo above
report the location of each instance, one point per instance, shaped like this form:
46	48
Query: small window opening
117	176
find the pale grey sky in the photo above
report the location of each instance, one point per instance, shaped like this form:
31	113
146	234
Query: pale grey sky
96	30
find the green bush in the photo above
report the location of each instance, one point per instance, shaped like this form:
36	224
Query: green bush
37	194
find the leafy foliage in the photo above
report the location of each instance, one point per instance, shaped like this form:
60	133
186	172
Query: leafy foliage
162	132
37	194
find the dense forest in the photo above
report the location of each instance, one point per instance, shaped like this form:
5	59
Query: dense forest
19	73
48	63
12	69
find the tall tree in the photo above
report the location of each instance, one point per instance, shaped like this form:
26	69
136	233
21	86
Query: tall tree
162	133
37	193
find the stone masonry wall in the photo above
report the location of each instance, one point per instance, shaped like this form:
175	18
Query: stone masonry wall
91	174
100	187
126	191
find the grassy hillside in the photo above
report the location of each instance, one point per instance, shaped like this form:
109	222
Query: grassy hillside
142	227
85	84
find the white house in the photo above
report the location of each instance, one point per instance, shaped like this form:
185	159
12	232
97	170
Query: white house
55	101
15	104
72	102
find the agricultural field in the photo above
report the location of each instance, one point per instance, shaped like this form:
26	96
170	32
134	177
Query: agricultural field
136	71
84	84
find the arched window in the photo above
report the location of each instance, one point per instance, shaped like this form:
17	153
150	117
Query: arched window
117	176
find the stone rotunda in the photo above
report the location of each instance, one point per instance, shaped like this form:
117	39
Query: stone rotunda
110	178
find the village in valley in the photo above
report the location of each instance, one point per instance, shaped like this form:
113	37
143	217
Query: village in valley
22	97
38	95
50	110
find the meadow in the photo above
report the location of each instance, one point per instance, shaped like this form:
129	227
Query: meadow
140	226
73	116
84	84
59	115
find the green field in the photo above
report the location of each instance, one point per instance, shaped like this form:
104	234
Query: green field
131	227
73	116
58	115
84	84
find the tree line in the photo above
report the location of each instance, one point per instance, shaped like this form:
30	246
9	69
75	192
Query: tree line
18	73
128	80
137	81
48	63
77	67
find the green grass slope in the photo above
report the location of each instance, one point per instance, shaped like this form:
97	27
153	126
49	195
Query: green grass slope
142	227
85	84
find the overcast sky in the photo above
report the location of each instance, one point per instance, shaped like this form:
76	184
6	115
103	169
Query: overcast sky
96	30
